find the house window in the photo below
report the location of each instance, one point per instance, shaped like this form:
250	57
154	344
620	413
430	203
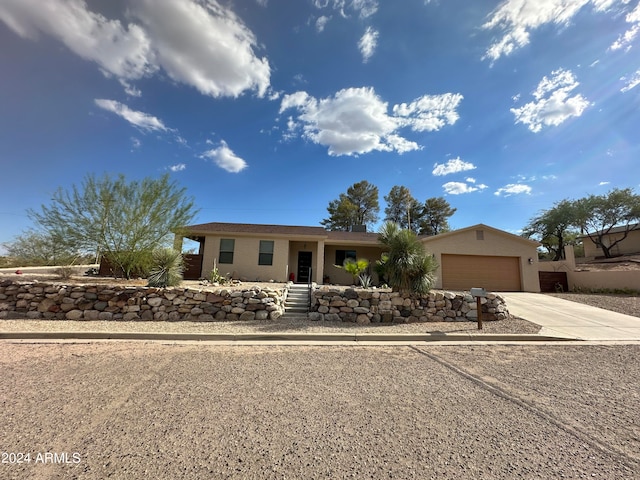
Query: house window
342	255
265	256
226	250
479	234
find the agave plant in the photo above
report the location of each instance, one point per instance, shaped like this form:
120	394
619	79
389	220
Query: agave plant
365	280
408	268
167	268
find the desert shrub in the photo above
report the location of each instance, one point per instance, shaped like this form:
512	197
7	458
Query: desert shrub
64	272
606	291
167	268
355	267
217	277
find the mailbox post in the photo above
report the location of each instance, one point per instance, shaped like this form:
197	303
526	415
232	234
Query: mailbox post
479	293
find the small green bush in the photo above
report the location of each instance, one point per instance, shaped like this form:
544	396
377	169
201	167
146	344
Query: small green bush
355	267
217	277
167	268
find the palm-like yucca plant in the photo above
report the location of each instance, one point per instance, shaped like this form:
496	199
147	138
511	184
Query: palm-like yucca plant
167	268
408	268
355	267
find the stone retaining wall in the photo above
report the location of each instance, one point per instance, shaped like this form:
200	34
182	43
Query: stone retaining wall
371	306
91	302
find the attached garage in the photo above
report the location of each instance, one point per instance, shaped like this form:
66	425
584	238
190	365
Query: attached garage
483	256
494	273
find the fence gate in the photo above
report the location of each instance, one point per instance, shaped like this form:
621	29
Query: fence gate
554	282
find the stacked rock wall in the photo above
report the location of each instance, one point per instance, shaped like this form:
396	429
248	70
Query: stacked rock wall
91	302
372	306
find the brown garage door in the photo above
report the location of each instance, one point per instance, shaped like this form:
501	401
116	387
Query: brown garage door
498	274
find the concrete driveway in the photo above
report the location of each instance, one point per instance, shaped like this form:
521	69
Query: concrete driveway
571	319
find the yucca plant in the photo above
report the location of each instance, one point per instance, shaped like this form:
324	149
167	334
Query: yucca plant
167	268
408	268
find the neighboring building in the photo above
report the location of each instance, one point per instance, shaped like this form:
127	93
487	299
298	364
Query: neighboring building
477	256
629	245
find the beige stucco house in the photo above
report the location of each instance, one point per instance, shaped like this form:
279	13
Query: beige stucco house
629	245
477	256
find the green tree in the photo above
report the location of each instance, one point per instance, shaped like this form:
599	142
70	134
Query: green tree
402	208
552	227
408	268
33	248
434	216
358	206
597	215
124	221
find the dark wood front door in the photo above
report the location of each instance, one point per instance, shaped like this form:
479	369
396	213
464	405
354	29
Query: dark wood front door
304	267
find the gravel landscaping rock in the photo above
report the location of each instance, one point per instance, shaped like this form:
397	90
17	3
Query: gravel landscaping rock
626	304
161	411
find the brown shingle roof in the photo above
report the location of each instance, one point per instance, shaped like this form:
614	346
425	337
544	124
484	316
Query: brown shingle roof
364	237
219	227
284	230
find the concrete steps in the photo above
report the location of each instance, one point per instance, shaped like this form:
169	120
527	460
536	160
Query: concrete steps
297	303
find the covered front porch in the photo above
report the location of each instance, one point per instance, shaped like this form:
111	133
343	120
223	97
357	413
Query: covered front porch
305	261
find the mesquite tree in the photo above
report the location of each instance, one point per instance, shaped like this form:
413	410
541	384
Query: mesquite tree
124	221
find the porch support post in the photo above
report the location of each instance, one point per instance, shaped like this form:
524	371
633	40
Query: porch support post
320	263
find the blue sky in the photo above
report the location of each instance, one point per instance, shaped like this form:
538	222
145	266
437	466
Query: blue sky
266	110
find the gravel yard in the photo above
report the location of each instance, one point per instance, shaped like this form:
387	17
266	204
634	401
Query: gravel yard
165	411
514	325
627	304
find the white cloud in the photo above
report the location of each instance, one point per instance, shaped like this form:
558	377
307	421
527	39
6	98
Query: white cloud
321	22
513	189
458	188
454	165
138	119
130	89
552	104
225	158
603	183
625	40
516	19
356	121
201	44
429	112
363	8
122	50
135	143
368	43
632	82
178	167
204	45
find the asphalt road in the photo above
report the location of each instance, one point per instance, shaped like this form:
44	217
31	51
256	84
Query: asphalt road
131	410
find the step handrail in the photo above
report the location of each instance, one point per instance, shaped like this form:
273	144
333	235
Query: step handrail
309	284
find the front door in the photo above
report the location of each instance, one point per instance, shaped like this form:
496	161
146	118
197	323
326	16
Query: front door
304	267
